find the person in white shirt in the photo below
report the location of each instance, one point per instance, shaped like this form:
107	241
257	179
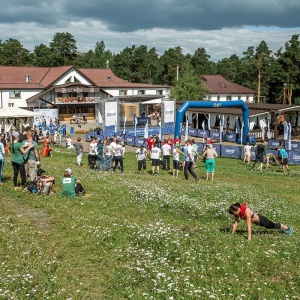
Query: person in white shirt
176	160
188	166
108	154
247	153
155	158
166	151
118	156
141	155
93	153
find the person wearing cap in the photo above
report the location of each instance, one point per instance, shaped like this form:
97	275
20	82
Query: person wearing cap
141	155
71	187
17	160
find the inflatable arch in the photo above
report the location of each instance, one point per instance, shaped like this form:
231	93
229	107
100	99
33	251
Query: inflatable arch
212	104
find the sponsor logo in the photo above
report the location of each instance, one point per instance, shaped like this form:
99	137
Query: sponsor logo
296	157
230	151
169	112
217	105
111	114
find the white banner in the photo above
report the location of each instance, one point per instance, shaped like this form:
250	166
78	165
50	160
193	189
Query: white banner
47	114
169	114
111	109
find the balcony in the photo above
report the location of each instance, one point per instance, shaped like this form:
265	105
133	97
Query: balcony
76	100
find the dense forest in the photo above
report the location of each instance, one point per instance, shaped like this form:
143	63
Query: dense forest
274	75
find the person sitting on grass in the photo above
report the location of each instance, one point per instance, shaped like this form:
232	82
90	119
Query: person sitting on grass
43	184
247	214
71	187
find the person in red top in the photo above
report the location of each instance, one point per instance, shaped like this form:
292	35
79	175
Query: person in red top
171	141
247	214
177	142
150	143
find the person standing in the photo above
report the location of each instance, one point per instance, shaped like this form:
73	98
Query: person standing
141	155
108	154
247	153
93	154
260	153
17	159
176	160
210	155
155	158
32	157
118	156
166	151
2	160
64	129
100	159
284	163
79	151
188	166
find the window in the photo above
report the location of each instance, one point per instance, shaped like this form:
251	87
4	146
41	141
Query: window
109	78
85	94
60	95
228	98
247	98
11	104
141	92
122	92
209	97
218	98
239	97
159	92
14	94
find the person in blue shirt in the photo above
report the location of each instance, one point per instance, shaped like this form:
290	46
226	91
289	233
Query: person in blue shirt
60	134
64	129
40	126
284	161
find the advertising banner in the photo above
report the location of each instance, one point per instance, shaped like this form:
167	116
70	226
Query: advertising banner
294	158
217	148
230	137
47	115
295	146
230	151
272	144
139	142
200	147
169	114
193	131
203	133
111	109
129	140
215	135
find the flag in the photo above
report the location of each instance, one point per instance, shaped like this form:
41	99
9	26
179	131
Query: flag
197	121
208	122
146	134
269	131
285	128
115	126
221	128
135	123
237	126
289	142
159	124
242	130
186	130
124	130
203	125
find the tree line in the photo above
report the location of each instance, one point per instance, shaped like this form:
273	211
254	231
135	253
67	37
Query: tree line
274	75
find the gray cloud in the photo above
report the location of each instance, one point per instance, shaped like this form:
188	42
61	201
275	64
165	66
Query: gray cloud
222	27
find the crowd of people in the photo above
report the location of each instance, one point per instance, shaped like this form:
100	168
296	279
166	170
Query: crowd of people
25	161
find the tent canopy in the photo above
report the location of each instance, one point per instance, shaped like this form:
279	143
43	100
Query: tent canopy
15	112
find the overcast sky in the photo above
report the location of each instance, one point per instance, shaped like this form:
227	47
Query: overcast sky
222	27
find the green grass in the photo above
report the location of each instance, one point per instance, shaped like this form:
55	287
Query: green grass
144	237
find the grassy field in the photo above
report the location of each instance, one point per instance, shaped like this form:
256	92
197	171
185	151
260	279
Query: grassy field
145	237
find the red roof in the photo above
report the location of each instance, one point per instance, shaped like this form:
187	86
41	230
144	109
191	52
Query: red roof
44	77
219	85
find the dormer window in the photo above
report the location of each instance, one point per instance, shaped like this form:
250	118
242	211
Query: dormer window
109	78
222	84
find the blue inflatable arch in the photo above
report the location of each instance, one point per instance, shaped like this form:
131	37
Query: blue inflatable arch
212	104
